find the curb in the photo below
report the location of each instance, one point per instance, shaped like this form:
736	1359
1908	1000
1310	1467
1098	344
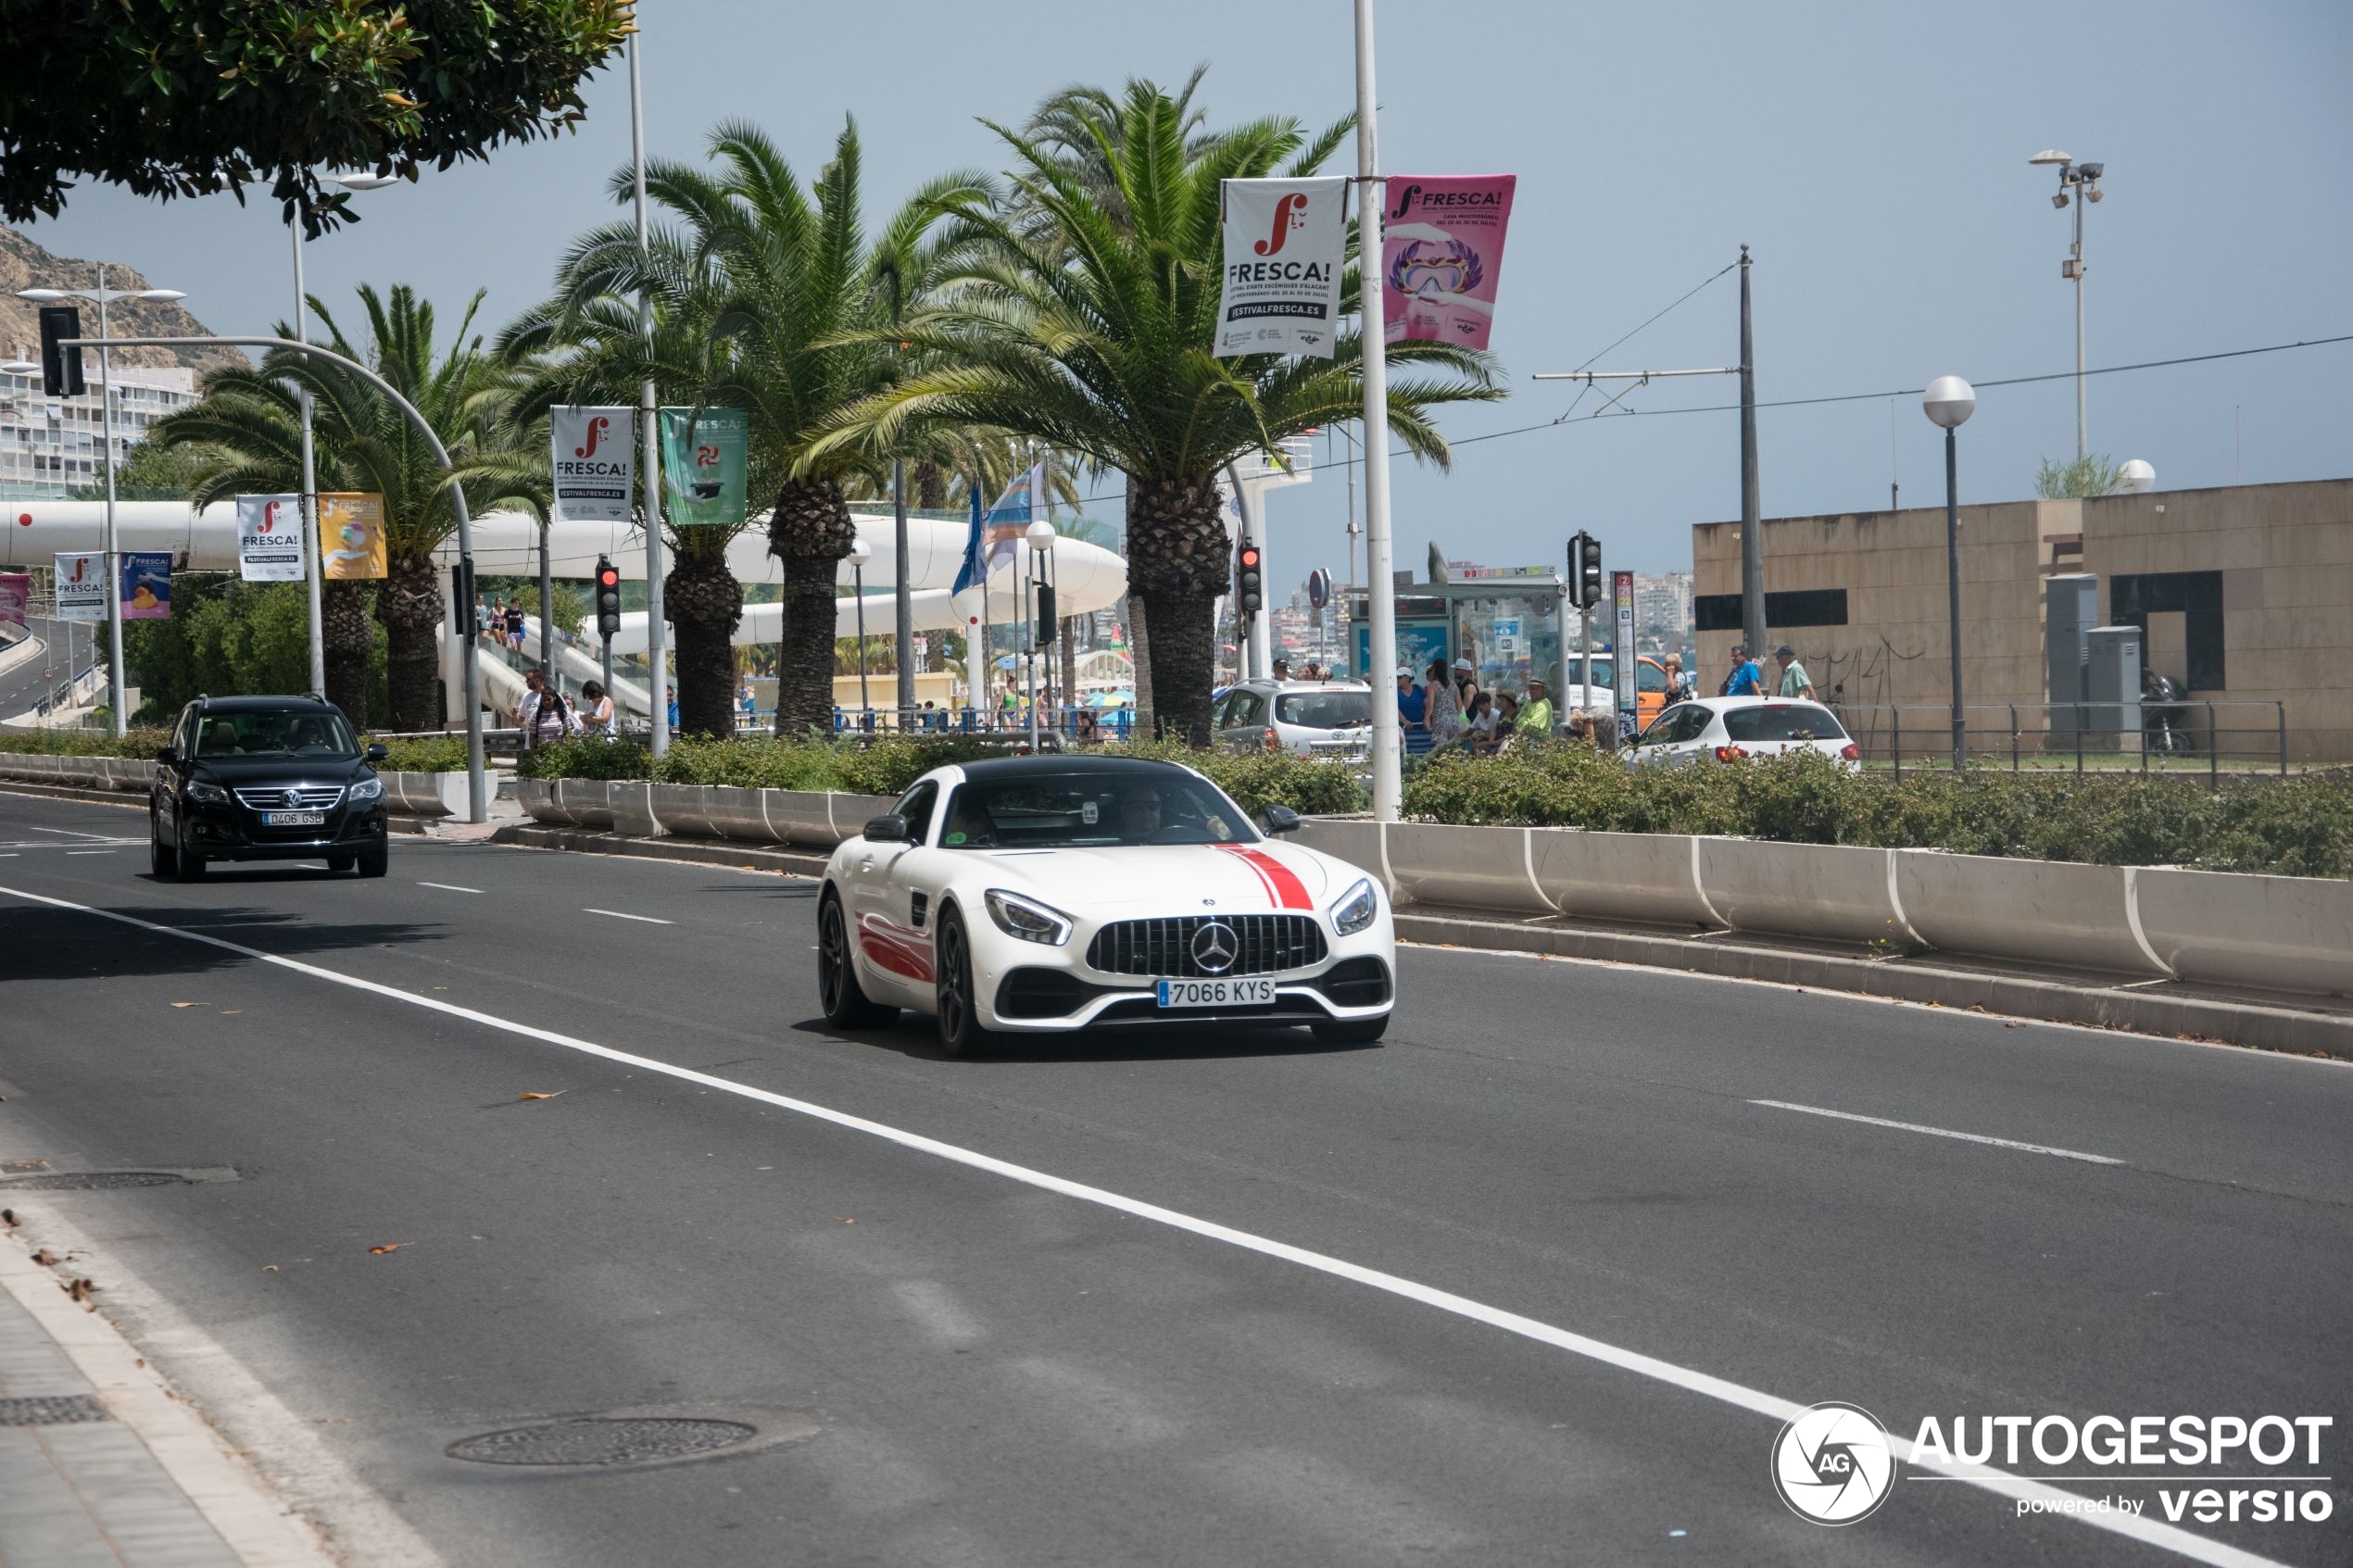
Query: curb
699	851
137	800
2144	1008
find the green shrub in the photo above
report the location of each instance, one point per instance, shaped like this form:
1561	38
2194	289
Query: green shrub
429	754
83	743
1259	779
585	759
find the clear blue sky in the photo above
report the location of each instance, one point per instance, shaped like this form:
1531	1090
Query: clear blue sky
1873	157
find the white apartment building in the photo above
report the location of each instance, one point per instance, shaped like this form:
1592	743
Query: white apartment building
49	445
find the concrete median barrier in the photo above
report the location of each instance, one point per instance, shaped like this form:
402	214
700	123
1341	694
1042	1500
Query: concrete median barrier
847	815
1837	892
2228	928
425	795
1651	878
2039	911
1356	840
1475	868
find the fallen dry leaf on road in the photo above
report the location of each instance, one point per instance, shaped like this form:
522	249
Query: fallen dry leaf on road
187	1004
534	1094
81	1289
268	1268
231	1012
8	1219
44	1257
388	1247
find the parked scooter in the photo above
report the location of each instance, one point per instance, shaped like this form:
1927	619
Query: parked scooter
2165	723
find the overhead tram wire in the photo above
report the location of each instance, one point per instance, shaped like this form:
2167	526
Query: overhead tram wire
1841	397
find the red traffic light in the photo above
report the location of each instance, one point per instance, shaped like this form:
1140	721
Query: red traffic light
608	577
1250	556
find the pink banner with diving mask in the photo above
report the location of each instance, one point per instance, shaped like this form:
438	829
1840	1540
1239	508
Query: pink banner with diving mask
1442	254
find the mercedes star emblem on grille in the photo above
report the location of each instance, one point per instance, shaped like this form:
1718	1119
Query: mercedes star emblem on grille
1216	947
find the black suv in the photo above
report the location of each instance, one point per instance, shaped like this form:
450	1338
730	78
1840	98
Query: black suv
266	778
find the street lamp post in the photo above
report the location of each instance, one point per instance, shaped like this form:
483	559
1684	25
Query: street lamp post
2081	184
1040	537
860	554
307	506
103	294
1949	402
1380	597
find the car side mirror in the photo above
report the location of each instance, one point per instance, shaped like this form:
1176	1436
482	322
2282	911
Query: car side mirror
888	828
378	751
1279	819
166	756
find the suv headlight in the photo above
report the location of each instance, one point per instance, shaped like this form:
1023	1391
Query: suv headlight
1355	911
207	794
368	789
1027	919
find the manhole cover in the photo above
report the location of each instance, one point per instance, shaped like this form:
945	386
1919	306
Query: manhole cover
52	1409
603	1440
75	1181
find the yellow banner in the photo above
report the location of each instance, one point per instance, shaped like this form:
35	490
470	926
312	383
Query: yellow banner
351	538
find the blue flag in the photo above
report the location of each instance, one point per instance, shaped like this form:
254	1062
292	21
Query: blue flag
972	572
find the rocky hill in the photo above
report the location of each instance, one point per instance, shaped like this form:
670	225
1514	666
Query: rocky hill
25	265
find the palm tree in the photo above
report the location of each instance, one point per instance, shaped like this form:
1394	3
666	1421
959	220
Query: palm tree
250	420
796	307
1091	331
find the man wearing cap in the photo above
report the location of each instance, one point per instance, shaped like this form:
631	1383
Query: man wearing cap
1466	684
1536	713
1795	681
1747	678
1282	668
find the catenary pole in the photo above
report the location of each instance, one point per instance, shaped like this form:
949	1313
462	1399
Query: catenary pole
306	505
1751	524
1380	590
115	687
648	439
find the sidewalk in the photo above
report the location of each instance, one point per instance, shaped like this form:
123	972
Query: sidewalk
100	1464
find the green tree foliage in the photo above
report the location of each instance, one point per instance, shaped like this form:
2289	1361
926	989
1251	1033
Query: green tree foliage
1082	314
226	638
152	471
2079	481
183	97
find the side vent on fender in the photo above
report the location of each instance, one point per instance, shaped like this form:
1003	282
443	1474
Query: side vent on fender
921	901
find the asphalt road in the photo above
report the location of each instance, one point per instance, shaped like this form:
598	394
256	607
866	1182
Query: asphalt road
989	1371
69	651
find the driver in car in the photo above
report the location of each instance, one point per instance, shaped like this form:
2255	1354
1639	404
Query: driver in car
1139	812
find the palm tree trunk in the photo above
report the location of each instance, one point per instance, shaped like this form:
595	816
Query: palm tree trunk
345	636
1178	558
409	605
931	487
704	602
811	532
1139	662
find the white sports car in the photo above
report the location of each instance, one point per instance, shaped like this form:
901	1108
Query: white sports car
1046	894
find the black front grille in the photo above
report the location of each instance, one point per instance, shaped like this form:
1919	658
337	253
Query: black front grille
1356	982
1033	992
1264	944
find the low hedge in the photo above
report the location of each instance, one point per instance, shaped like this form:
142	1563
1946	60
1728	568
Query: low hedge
2300	826
435	754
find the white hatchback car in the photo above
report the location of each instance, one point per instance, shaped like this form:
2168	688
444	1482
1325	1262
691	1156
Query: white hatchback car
1727	728
1305	718
1051	894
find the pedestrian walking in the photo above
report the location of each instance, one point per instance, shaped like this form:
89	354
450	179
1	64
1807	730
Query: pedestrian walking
1440	711
543	714
1747	678
1282	668
1795	681
1679	681
595	711
514	626
1412	714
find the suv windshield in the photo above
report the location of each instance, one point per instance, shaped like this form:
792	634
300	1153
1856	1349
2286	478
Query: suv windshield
1783	720
294	732
1325	711
1066	811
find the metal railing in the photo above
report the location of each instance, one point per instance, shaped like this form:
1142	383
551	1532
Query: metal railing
2187	735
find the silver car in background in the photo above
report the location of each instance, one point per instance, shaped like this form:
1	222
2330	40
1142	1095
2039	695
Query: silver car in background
1330	719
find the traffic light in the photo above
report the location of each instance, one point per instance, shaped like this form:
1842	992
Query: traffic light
60	368
1045	613
608	599
1588	571
1576	578
1250	582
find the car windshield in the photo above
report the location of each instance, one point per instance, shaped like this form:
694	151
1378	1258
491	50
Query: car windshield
1078	808
1783	720
1325	711
1605	671
273	732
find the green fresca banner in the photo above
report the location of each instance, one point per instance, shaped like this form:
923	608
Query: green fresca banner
702	466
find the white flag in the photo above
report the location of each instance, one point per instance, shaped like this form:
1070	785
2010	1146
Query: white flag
269	539
1285	241
596	463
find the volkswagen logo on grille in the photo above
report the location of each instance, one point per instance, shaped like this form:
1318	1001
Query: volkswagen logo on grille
1216	947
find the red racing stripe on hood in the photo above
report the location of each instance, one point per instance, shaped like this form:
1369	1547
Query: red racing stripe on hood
1284	890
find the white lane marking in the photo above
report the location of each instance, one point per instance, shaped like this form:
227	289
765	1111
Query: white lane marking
72	852
618	915
1942	1133
449	887
66	833
2135	1527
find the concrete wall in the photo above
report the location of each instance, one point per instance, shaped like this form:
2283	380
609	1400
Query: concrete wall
2286	553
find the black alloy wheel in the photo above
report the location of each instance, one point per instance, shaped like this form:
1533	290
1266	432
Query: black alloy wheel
960	1030
188	866
845	1000
162	859
375	861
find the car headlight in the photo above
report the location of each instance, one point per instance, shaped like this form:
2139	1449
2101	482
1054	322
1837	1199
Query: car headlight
1027	919
207	793
368	789
1355	911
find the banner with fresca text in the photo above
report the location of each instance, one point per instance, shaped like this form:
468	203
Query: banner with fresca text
1442	255
269	539
1285	244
